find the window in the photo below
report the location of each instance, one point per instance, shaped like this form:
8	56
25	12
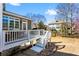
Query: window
11	25
20	24
5	22
16	24
5	17
24	26
29	24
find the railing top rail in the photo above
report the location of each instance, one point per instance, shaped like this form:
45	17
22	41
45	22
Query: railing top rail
33	30
13	30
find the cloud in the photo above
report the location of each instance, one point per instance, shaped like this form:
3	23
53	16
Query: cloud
51	12
15	4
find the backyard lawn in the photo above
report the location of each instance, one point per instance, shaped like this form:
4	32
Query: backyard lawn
64	47
71	45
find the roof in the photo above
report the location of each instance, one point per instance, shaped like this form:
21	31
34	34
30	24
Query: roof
16	15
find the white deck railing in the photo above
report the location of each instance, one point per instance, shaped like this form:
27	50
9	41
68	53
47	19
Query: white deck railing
42	42
35	33
44	38
12	36
18	37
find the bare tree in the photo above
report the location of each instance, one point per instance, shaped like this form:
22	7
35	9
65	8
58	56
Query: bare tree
67	13
36	17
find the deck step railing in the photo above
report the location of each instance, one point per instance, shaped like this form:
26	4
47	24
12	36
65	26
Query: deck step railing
35	33
42	42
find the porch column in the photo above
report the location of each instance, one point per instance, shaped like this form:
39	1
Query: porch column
1	40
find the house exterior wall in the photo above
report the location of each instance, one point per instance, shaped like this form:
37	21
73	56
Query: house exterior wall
10	18
55	26
1	41
10	25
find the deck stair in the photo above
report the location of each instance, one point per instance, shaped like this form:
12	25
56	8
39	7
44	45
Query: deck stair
41	43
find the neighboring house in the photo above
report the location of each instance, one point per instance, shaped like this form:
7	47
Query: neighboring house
65	27
56	25
62	27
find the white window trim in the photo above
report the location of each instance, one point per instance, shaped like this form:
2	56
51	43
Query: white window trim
19	23
9	21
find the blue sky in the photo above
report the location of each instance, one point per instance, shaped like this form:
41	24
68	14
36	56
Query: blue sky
46	9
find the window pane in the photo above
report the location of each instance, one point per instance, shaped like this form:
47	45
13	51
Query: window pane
29	24
5	17
20	24
5	24
17	24
24	26
29	27
11	25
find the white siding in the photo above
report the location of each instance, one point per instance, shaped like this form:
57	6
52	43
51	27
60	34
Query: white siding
1	41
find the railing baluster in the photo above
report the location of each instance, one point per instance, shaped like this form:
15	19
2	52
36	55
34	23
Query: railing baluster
12	35
5	36
8	36
16	35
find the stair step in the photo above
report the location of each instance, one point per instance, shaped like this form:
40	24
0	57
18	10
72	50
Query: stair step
40	45
37	48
